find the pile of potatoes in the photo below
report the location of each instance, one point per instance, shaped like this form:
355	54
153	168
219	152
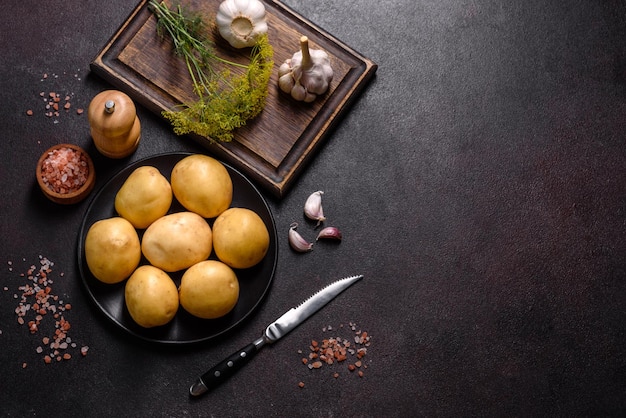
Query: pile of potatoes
179	241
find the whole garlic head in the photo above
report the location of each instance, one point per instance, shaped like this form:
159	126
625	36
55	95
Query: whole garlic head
306	74
241	22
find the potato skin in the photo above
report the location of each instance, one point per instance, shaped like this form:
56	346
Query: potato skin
202	185
209	289
112	249
177	241
145	196
240	238
151	297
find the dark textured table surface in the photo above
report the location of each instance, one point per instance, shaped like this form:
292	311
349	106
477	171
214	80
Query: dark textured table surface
480	185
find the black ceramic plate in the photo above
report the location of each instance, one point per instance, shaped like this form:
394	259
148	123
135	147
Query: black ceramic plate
184	328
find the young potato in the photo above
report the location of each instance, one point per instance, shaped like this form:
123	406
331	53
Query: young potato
209	289
177	241
202	185
145	196
151	297
240	238
112	249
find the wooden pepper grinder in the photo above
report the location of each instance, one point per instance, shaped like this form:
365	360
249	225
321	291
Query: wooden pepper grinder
115	127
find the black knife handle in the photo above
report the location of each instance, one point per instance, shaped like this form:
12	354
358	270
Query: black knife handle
226	368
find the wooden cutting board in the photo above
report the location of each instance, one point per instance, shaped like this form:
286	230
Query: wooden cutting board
273	148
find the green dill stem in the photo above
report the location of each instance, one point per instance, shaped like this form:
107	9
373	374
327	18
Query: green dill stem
185	41
226	101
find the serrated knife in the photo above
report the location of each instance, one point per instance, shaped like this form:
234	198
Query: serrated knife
274	331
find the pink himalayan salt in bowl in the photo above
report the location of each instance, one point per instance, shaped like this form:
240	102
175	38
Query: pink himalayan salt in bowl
66	174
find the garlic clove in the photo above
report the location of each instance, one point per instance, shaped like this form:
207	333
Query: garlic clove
298	92
309	97
286	83
330	232
320	73
313	207
285	68
297	242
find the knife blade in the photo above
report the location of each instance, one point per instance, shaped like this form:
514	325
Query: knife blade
274	331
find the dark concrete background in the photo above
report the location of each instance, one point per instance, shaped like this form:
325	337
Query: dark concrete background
480	185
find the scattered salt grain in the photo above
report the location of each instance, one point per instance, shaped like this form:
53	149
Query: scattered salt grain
55	102
42	310
337	350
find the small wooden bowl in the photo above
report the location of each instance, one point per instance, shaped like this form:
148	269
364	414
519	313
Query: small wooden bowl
73	196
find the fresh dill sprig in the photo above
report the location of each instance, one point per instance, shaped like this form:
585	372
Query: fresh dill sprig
225	101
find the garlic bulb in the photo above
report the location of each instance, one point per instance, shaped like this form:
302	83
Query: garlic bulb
306	74
241	22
